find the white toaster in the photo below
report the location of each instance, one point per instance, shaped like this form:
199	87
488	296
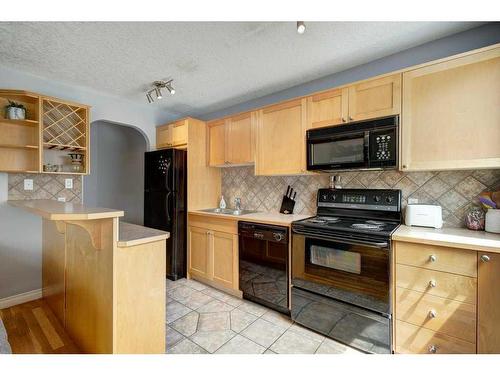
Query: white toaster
424	215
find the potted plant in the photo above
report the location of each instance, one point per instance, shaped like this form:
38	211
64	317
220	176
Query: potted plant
15	111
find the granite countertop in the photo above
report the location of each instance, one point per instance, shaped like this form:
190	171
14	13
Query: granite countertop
259	217
455	237
132	234
54	210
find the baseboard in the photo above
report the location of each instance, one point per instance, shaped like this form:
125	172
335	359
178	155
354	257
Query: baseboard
20	298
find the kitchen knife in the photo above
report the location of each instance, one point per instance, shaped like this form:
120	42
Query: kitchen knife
287	191
294	195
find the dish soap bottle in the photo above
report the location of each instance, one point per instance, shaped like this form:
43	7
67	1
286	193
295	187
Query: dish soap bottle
222	203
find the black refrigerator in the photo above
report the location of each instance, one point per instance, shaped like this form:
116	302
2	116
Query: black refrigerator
165	193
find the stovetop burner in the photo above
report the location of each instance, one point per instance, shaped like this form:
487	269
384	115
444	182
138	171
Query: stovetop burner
323	219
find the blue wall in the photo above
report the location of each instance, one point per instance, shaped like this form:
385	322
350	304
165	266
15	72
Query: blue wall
478	37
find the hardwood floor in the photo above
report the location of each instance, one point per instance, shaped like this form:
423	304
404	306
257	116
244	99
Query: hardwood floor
32	328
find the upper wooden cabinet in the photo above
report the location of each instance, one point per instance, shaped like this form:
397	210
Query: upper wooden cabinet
281	139
232	140
327	108
172	135
451	114
240	139
488	323
366	100
217	143
376	98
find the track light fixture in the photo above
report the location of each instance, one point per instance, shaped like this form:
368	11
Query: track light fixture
156	89
301	27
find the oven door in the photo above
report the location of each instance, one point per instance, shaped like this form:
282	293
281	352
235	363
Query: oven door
342	151
341	289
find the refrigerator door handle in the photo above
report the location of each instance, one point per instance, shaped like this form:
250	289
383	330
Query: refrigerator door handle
167	204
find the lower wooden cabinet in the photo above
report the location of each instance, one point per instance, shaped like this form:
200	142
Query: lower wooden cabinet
213	251
488	339
446	299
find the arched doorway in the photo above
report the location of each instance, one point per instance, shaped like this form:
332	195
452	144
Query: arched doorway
116	177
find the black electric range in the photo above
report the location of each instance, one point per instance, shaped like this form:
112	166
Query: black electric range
341	266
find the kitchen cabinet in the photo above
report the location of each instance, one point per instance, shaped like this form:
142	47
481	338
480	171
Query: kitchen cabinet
217	143
451	113
213	251
232	140
375	98
199	251
172	135
327	108
435	299
280	148
50	124
488	335
240	138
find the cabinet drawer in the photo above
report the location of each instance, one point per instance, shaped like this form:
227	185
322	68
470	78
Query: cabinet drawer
450	317
437	283
439	258
419	340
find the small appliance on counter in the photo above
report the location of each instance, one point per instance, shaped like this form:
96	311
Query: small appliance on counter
492	220
424	215
288	203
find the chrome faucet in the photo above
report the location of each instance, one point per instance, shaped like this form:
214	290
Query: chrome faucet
237	204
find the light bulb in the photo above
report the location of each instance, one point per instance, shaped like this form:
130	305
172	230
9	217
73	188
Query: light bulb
301	27
158	93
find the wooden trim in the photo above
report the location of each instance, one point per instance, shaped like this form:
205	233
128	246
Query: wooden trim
20	298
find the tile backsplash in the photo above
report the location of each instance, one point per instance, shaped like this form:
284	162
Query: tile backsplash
45	186
455	191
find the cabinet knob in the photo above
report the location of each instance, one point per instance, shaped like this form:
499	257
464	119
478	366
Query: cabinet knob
432	313
351	118
432	258
343	119
432	349
404	166
432	283
485	258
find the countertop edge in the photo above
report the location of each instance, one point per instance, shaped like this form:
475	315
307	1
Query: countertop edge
62	215
467	241
148	235
252	217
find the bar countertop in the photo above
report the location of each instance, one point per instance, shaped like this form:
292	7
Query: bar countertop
132	234
54	210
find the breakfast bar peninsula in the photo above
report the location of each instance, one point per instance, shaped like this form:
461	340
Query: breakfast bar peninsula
104	279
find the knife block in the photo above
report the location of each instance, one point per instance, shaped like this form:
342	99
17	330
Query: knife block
287	205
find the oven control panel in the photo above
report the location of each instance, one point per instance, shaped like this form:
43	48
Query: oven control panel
367	199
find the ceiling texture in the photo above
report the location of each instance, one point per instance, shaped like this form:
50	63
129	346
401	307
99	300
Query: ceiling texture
214	64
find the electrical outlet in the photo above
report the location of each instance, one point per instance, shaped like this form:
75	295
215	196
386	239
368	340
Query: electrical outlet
68	183
28	184
412	200
61	199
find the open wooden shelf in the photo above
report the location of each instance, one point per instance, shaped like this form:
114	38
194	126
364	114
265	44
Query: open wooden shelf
29	147
19	122
56	146
53	129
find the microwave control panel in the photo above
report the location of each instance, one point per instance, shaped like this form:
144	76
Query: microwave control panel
383	144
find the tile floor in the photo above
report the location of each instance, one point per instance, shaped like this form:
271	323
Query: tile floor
202	320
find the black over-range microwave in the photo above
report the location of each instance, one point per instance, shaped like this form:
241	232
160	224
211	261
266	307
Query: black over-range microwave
358	145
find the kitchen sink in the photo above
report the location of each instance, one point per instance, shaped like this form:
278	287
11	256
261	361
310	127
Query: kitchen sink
228	211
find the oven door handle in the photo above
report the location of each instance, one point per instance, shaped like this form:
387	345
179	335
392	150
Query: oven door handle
379	245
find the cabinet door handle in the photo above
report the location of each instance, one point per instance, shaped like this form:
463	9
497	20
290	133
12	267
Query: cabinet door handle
432	258
343	119
432	313
432	349
485	258
351	118
432	283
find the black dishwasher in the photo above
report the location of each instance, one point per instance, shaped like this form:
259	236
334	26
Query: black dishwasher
263	264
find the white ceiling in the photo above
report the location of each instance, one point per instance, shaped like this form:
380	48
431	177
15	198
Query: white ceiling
214	65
